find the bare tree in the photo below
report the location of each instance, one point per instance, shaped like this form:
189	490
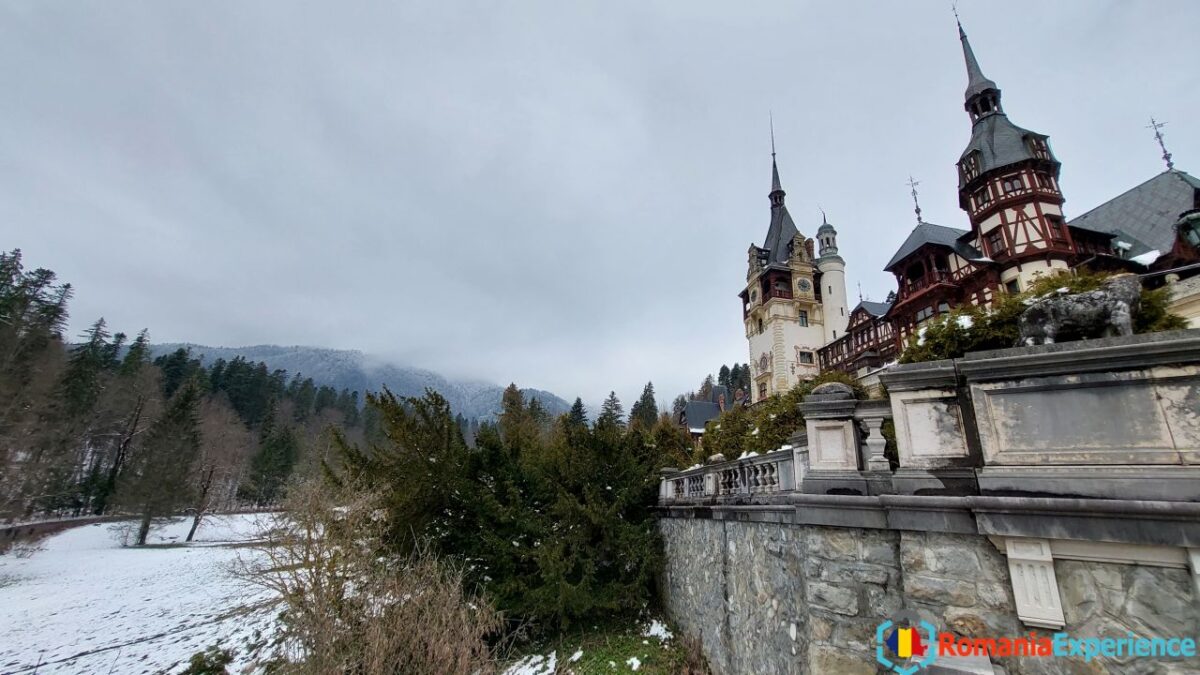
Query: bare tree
225	445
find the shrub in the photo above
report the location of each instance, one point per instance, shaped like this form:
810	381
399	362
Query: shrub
351	607
973	329
211	661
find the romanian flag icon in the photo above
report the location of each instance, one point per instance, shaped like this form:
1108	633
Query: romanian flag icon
905	643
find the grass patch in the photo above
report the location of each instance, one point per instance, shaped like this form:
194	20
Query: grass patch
608	649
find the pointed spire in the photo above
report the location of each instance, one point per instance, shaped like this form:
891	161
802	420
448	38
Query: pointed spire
776	194
977	82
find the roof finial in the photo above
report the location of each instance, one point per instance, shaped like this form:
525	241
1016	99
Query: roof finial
916	204
860	297
1157	127
824	221
954	9
775	185
771	120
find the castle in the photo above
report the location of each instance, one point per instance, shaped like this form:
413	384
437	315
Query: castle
794	304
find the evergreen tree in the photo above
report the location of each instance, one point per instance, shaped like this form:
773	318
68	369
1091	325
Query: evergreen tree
612	415
157	481
644	413
723	376
272	465
578	414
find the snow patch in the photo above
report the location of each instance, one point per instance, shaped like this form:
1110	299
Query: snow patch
658	629
748	455
634	663
536	664
576	656
1147	258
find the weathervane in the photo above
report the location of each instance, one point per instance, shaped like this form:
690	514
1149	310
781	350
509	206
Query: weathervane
916	205
860	298
1157	127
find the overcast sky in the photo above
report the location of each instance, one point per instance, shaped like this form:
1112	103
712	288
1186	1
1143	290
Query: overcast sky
556	193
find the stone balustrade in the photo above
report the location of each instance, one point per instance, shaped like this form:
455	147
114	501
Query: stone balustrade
745	478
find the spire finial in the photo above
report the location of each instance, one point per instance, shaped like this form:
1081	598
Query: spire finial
954	8
776	187
771	121
823	219
860	298
916	204
1158	136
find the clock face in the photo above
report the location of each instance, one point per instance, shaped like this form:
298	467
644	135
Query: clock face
804	285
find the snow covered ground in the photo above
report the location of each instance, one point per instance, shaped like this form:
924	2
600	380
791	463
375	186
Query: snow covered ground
82	603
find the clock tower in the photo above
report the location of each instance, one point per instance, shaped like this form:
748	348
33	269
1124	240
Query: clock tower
784	303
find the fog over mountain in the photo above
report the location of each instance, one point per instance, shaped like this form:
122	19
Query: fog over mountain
354	370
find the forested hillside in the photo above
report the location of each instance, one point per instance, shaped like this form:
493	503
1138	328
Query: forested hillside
103	426
353	370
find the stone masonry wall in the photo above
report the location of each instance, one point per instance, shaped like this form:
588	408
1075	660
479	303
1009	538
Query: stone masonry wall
772	598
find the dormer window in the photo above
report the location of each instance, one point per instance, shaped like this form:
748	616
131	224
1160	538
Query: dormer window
1040	148
970	167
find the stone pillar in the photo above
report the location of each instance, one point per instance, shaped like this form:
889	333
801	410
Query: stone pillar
870	416
833	466
664	486
931	438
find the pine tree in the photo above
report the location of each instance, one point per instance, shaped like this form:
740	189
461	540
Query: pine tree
157	481
723	376
272	465
578	414
644	413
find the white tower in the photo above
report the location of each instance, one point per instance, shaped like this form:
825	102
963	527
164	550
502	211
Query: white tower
832	270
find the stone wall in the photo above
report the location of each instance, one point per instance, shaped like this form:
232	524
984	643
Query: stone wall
783	598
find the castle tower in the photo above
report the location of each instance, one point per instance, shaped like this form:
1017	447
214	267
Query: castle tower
832	281
1008	185
781	303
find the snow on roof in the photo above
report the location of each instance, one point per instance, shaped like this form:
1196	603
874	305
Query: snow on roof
1147	258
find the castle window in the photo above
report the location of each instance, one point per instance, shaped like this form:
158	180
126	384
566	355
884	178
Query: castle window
760	325
1013	287
995	241
806	357
924	313
753	296
1191	233
1040	148
970	167
1013	184
1044	180
983	197
762	390
1055	226
803	318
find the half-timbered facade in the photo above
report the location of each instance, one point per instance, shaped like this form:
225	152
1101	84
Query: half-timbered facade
1008	185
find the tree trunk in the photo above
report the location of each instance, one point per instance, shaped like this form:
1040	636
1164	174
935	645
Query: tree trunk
110	483
202	503
144	529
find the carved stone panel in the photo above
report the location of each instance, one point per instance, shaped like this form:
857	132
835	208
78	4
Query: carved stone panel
929	429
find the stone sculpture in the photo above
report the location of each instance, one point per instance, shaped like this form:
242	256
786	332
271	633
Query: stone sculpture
1104	312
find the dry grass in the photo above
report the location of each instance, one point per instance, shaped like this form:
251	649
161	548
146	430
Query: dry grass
351	609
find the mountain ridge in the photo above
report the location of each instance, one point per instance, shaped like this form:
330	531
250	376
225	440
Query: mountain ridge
355	370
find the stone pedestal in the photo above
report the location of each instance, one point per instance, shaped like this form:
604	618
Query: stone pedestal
833	457
931	435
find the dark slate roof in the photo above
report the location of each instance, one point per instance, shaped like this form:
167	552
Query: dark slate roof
977	83
999	143
1145	216
779	235
873	308
697	413
928	233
